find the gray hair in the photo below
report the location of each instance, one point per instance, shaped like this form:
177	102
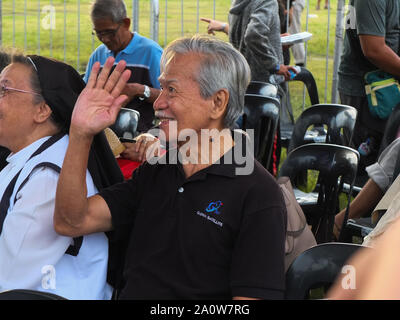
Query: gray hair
108	9
221	67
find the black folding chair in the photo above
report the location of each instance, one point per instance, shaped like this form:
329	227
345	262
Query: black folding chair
334	164
307	78
126	124
287	122
261	114
262	89
317	267
336	117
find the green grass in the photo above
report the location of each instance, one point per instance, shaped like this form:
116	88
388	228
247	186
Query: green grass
53	43
76	22
24	33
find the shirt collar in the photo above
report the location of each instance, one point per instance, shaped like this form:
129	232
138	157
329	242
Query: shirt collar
129	48
228	164
23	155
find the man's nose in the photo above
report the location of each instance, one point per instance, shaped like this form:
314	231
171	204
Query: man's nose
161	101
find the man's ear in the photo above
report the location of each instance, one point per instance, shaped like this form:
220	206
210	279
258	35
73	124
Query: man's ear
126	22
220	103
43	112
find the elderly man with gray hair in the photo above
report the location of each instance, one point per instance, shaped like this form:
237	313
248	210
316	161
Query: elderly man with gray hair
199	226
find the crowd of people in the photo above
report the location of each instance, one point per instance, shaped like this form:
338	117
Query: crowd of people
201	220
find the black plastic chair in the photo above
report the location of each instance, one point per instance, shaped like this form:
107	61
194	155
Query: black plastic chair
335	164
307	78
316	267
22	294
335	116
126	124
262	89
261	114
391	128
286	129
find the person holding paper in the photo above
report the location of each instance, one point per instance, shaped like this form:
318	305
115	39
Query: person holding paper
254	29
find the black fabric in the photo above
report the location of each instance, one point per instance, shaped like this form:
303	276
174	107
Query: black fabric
4	153
180	250
61	85
366	127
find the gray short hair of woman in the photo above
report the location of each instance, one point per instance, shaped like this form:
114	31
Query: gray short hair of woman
108	9
222	67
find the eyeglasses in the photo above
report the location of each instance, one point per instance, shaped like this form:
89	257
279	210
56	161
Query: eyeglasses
4	89
106	33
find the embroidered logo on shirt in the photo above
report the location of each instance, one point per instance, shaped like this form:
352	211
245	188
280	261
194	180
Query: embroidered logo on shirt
213	207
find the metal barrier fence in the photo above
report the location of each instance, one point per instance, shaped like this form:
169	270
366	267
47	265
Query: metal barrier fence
62	29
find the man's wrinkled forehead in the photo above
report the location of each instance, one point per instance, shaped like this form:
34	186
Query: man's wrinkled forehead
177	65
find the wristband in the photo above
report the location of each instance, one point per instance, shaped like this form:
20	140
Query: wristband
223	26
278	66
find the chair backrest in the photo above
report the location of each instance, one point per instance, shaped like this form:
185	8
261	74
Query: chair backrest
261	114
391	128
334	116
308	79
316	267
262	89
126	124
22	294
335	165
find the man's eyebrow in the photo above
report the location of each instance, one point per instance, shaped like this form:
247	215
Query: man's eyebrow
167	81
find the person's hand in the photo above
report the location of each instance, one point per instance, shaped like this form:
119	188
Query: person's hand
337	226
98	104
214	25
285	46
145	147
284	70
132	90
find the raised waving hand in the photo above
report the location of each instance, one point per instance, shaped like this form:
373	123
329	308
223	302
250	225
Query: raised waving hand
99	103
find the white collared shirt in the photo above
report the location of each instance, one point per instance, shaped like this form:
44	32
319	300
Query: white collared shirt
16	162
32	254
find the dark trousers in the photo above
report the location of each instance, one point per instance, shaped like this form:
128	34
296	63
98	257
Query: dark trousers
367	126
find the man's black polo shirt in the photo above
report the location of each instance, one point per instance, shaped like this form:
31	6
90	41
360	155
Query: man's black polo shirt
215	235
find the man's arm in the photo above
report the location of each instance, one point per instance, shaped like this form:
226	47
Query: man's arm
379	53
96	109
215	25
362	204
133	90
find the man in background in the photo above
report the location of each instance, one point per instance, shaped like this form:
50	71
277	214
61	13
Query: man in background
142	55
